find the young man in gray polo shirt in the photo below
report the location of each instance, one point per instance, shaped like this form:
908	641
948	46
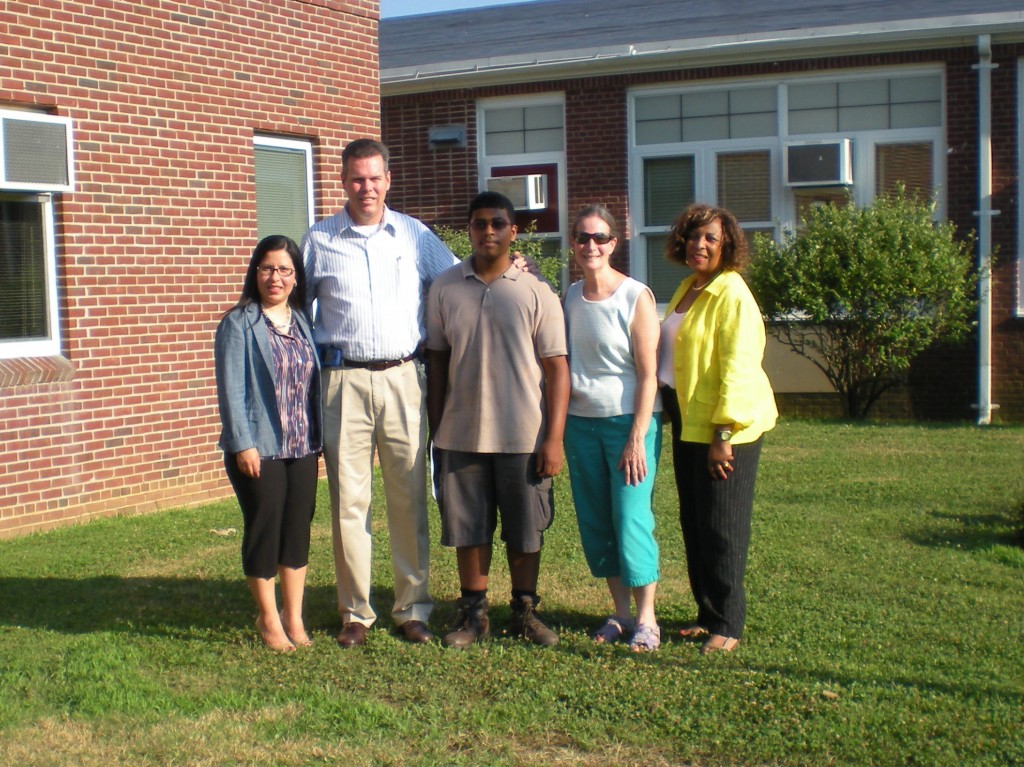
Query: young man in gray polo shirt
497	395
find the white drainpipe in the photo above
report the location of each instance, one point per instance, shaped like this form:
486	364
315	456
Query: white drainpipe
985	214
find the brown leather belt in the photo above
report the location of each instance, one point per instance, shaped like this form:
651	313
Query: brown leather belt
376	365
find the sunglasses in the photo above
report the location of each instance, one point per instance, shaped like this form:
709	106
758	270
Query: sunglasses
582	238
481	224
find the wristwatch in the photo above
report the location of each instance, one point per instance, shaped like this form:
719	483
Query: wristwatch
723	435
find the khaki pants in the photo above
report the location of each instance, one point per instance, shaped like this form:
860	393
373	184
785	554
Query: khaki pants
384	411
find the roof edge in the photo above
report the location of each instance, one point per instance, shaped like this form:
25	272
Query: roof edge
944	32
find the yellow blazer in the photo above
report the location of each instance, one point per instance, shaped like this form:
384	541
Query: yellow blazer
719	349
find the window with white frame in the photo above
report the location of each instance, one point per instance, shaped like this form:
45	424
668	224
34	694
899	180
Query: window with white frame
36	161
724	145
705	115
865	103
284	186
524	129
527	136
29	324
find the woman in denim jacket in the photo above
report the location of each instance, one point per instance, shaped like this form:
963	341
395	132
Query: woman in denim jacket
268	392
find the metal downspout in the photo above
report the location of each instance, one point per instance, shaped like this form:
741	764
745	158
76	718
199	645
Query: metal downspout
985	214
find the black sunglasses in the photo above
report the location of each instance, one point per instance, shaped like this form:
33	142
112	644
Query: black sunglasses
582	238
481	224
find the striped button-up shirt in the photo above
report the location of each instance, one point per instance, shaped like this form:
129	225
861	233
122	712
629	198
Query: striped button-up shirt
370	291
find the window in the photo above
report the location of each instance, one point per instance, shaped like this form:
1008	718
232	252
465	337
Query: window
284	186
28	283
745	184
524	129
909	164
669	187
706	115
526	136
724	146
879	103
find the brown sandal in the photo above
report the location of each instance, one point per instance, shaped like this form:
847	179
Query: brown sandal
719	643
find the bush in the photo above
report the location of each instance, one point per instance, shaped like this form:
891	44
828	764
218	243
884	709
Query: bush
862	291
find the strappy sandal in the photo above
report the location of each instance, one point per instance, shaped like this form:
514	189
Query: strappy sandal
646	639
719	643
611	630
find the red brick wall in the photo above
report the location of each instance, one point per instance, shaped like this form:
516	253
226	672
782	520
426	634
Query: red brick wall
944	382
1007	330
438	182
153	243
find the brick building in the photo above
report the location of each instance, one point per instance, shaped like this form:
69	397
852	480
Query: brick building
649	105
146	146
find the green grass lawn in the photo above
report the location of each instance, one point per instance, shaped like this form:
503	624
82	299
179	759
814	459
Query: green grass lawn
886	627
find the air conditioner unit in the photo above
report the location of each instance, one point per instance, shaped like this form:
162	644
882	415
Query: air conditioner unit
35	152
819	163
525	192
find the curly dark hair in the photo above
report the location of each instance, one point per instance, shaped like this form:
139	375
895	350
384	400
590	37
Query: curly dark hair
735	253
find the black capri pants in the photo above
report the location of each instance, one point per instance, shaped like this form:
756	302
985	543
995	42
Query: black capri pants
277	511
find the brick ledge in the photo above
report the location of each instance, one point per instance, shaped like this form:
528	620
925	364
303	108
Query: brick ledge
25	371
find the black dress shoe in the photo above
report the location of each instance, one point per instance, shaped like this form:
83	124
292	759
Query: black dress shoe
416	632
352	635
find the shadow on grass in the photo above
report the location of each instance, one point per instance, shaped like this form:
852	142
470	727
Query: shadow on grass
972	532
166	606
908	682
149	606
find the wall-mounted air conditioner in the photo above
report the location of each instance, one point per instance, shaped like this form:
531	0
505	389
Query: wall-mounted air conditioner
818	163
525	192
36	152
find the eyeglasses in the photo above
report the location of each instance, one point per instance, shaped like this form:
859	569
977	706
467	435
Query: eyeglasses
481	224
268	271
601	238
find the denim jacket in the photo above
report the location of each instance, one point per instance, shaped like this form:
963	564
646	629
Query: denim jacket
246	390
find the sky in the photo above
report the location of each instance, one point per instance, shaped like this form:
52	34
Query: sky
392	8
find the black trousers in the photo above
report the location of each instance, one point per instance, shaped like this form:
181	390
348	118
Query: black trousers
277	510
715	519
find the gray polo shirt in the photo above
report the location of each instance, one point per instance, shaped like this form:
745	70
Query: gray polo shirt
497	335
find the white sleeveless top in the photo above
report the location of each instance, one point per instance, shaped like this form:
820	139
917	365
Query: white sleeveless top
601	364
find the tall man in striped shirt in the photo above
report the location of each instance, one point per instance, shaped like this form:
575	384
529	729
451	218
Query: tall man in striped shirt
368	268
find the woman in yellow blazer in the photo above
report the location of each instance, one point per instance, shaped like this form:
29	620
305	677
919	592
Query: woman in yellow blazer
720	403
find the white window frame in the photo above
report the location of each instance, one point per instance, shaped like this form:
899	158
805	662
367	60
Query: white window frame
49	346
301	145
783	200
486	162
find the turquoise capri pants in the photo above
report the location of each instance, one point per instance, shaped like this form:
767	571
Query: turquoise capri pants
616	520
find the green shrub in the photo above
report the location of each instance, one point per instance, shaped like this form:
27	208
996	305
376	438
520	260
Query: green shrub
861	291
